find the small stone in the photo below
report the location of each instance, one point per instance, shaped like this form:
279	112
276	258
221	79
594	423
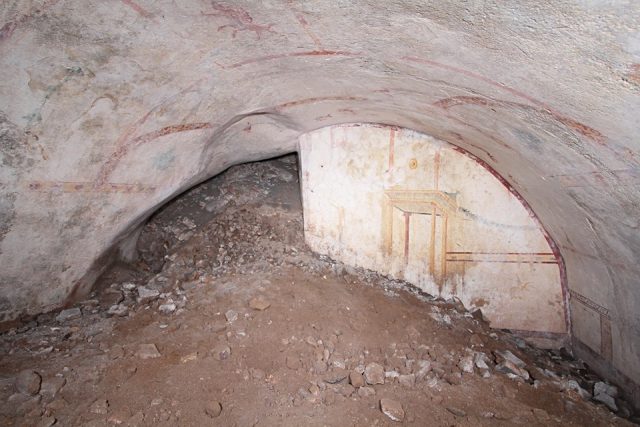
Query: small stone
480	360
422	368
507	355
457	411
119	310
128	286
146	295
338	363
259	303
466	364
320	367
231	316
99	407
608	400
28	382
51	387
147	351
603	388
366	391
213	409
293	362
374	374
69	314
336	376
392	375
221	352
347	390
453	378
392	409
314	390
46	421
407	380
189	357
356	379
167	308
111	297
508	367
573	385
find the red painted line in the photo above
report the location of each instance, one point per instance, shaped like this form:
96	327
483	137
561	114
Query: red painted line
502	261
9	28
317	99
477	77
501	253
239	20
304	24
311	53
552	244
603	311
125	143
88	187
167	130
135	6
582	129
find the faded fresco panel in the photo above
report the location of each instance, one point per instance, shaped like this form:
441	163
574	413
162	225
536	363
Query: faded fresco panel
414	208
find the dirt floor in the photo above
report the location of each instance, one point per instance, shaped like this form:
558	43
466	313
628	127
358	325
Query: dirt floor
227	319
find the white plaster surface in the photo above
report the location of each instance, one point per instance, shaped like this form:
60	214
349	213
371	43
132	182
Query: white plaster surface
360	184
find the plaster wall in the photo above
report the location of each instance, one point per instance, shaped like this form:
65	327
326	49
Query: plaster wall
412	207
110	108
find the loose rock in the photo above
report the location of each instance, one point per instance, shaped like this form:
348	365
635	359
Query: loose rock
456	411
466	364
69	314
213	409
392	409
100	407
336	376
356	379
221	352
50	388
293	362
28	382
366	391
231	316
147	351
508	367
407	380
374	374
167	308
146	295
259	303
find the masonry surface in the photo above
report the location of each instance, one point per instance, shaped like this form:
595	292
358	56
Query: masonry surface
109	109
